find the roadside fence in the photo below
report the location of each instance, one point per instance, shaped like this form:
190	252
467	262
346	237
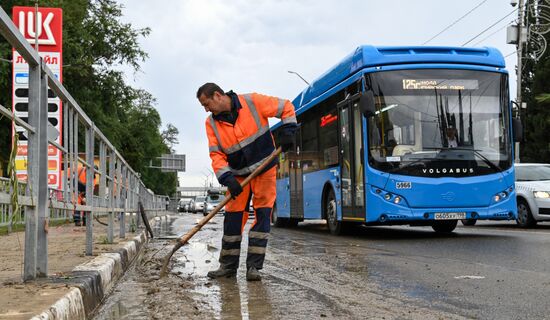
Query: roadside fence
112	185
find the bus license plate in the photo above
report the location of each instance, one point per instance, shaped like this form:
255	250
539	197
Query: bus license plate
449	215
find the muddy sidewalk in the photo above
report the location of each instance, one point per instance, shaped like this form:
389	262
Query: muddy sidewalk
66	247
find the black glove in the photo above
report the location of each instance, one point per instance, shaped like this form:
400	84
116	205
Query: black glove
232	184
286	142
287	138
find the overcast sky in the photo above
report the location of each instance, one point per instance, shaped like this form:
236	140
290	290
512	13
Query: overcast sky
249	45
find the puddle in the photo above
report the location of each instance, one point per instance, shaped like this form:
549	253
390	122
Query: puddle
227	298
126	302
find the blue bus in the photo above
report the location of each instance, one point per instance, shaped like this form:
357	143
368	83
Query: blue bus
419	136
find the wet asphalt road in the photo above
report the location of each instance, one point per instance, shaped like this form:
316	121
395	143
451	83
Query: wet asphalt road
489	271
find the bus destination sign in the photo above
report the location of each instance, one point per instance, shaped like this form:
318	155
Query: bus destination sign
439	84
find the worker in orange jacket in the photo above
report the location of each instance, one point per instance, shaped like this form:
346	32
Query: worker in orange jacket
239	140
79	217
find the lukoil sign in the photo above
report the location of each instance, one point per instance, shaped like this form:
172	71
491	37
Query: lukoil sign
46	24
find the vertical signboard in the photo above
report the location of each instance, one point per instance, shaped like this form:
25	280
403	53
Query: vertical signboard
46	25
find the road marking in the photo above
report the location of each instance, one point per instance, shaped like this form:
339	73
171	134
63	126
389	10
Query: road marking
470	277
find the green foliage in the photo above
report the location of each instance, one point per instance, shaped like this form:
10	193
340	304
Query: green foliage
104	240
96	44
543	98
15	214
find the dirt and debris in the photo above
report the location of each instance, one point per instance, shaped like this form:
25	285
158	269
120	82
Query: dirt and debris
66	249
299	282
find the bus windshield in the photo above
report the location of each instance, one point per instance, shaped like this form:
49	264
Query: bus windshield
439	122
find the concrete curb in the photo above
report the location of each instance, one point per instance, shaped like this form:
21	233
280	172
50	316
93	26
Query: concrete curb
91	281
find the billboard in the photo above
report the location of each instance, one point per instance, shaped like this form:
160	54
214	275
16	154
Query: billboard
46	25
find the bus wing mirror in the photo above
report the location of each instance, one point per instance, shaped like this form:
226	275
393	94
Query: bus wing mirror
366	104
517	128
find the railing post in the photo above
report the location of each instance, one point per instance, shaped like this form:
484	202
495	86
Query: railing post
141	198
122	219
33	164
89	189
43	193
112	190
76	157
65	155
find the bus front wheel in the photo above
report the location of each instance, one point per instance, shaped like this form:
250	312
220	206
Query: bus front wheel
334	225
446	226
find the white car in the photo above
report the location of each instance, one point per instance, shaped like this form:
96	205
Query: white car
212	200
183	205
198	204
533	193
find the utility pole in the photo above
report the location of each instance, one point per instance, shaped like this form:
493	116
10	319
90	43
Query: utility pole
521	40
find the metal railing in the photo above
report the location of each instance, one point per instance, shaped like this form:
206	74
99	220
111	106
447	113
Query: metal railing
119	189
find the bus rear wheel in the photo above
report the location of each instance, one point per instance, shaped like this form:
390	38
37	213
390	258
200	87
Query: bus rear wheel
276	221
468	222
335	227
446	226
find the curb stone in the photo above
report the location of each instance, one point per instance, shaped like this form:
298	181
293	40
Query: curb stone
91	281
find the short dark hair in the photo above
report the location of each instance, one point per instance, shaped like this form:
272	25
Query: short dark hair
208	90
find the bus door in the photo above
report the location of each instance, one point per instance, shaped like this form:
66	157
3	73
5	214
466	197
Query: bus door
296	182
350	141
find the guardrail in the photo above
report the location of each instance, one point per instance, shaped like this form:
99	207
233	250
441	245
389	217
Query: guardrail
119	189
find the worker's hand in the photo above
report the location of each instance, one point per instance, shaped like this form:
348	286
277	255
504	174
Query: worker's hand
287	137
233	185
286	142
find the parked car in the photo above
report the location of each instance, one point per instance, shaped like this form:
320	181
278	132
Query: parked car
198	204
183	205
212	200
191	205
533	193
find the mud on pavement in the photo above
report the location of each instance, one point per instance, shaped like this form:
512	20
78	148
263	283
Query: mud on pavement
300	281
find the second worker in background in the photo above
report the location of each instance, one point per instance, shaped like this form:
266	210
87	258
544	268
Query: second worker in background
239	140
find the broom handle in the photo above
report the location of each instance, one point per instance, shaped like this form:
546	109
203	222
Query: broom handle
245	182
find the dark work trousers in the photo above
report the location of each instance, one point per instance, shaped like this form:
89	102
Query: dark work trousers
233	226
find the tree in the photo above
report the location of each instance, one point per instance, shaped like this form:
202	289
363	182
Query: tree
170	136
95	45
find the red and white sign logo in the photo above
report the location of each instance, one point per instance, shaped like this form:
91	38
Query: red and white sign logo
48	26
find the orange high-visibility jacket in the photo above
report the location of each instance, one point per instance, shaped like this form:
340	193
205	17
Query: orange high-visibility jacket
82	176
241	148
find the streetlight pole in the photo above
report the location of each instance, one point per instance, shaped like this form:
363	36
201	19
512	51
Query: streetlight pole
519	67
210	175
296	73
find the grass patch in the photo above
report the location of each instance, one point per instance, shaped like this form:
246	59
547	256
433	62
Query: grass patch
103	240
19	227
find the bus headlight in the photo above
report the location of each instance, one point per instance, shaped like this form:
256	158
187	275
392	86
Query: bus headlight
397	200
541	194
387	196
500	196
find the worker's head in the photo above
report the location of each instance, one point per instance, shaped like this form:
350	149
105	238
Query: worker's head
213	98
451	132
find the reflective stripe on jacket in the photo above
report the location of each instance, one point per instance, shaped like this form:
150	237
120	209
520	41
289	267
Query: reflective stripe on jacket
240	148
